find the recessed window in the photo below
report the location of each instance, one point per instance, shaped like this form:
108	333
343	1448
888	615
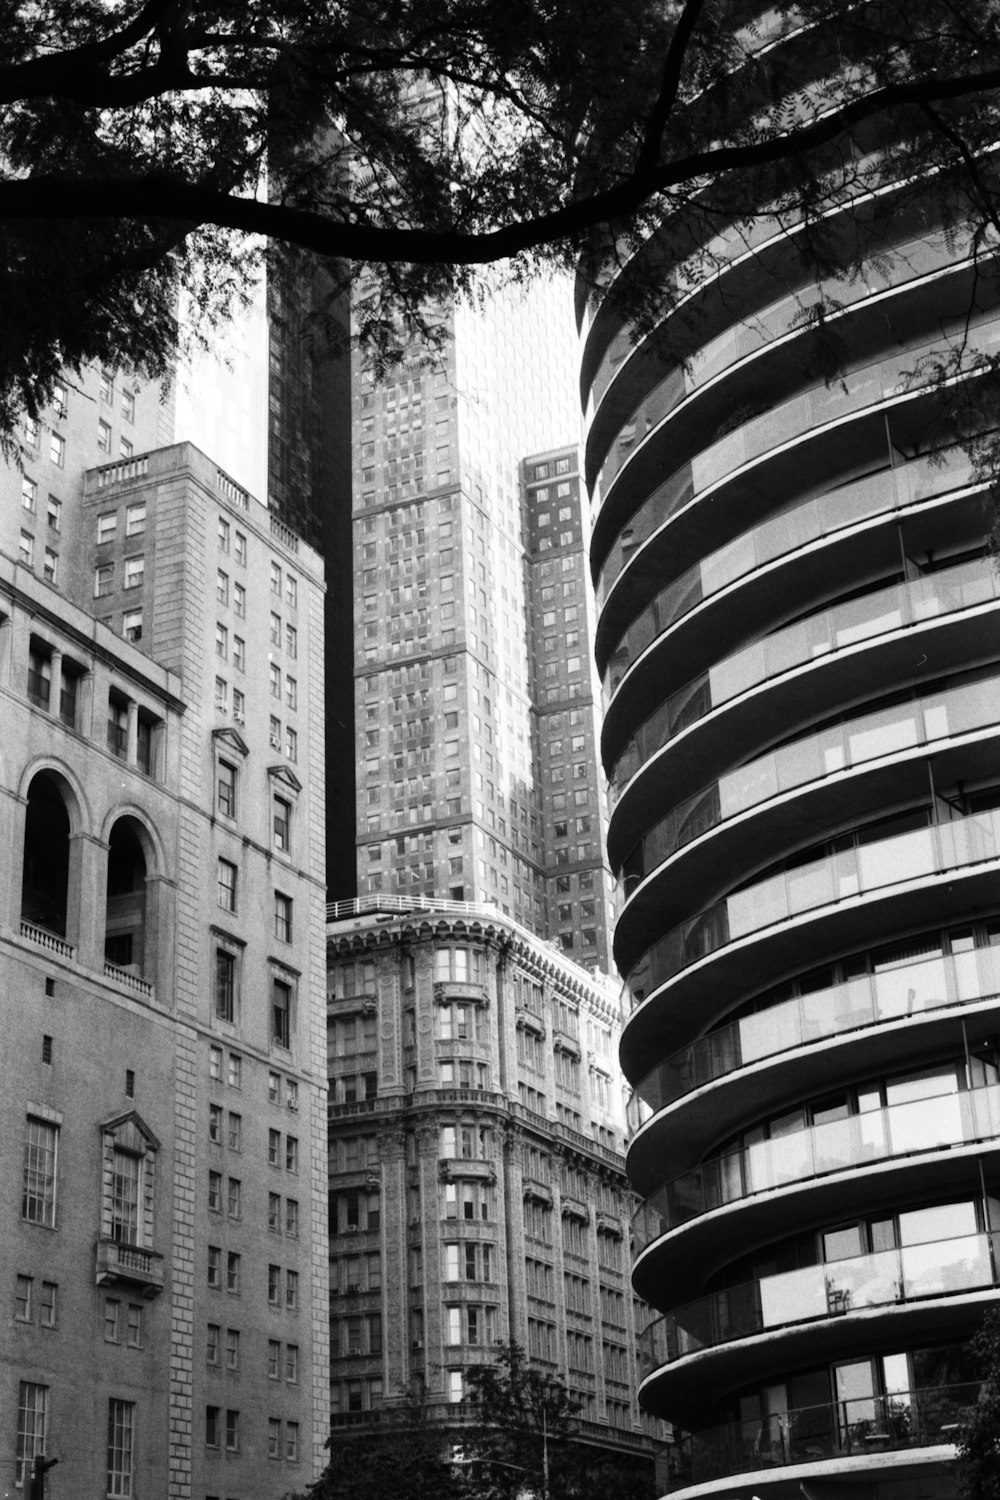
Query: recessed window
276	580
281	1012
53	513
240	549
104	436
26	549
281	824
126	447
128	405
107	527
225	790
132	625
135	519
239	653
29	493
57	449
225	984
240	600
226	885
282	917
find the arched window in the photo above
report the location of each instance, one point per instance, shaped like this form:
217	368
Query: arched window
45	874
125	944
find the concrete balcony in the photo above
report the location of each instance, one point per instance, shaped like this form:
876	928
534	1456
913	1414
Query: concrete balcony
130	1264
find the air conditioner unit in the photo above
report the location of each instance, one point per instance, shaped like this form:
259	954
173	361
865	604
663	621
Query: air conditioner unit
275	741
355	1351
351	1228
239	716
354	1286
293	1105
417	1344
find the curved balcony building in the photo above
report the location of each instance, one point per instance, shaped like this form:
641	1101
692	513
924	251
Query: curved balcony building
799	645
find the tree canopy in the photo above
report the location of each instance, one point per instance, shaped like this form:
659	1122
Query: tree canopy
149	145
979	1445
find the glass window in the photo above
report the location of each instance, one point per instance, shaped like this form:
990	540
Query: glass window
121	1437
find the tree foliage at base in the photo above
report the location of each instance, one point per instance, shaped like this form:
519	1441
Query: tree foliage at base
403	1458
148	144
979	1448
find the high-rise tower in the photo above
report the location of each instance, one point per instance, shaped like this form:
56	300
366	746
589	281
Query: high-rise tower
798	637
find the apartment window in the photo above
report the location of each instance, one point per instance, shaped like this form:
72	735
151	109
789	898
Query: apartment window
225	984
104	580
235	1070
281	1012
276	580
38	1199
128	405
239	704
291	1154
291	591
121	1438
135	519
292	1218
291	692
274	1088
224	533
53	513
274	1148
292	1442
273	1359
274	1285
48	1304
22	1299
281	812
50	565
222	587
225	789
274	733
213	1427
273	1437
221	641
133	1325
226	885
26	549
30	428
132	625
215	1124
240	600
292	1364
233	1273
29	491
234	1196
215	1192
57	449
112	1320
103	437
275	629
213	1344
292	1290
282	917
126	447
239	653
232	1348
291	744
291	641
274	1206
32	1411
221	694
240	549
235	1131
274	674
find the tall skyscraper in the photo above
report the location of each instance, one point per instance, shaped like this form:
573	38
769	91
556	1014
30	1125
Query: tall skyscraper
466	577
799	640
161	945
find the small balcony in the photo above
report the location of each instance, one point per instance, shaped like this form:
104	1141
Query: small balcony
857	1429
133	1264
859	1140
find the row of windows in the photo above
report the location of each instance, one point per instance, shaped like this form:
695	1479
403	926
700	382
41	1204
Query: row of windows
33	1416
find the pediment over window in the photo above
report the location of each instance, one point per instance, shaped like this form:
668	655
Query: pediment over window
287	777
129	1132
230	738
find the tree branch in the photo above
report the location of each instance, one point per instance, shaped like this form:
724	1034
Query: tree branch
673	67
60	74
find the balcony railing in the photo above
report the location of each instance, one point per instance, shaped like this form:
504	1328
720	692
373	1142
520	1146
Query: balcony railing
919	257
874	1135
911	989
45	939
891	1277
132	1263
824	882
128	980
888	490
888	731
925	1417
822	634
862	389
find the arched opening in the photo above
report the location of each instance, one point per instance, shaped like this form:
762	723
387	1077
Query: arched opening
45	871
125	917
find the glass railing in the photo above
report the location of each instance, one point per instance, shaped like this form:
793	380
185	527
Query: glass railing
887	1278
881	493
925	1124
805	888
910	989
822	634
926	1416
887	731
813	407
915	258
